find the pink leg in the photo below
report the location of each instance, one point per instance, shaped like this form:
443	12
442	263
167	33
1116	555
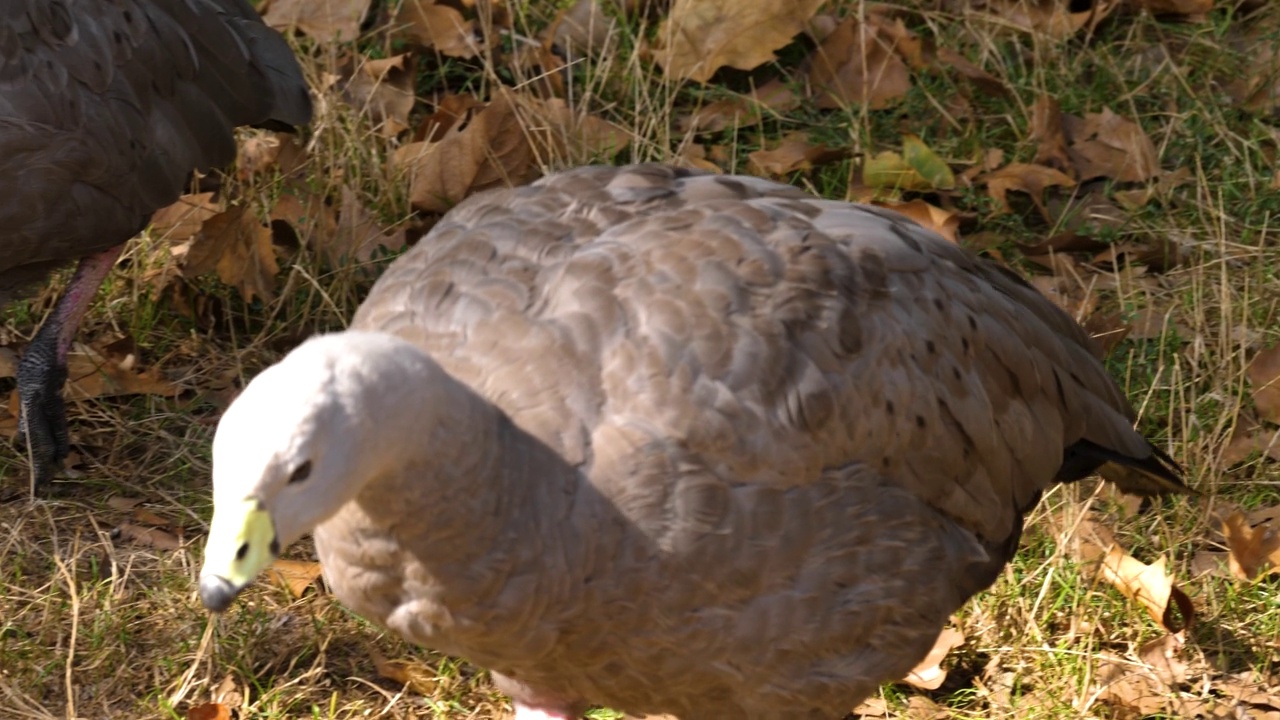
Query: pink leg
43	369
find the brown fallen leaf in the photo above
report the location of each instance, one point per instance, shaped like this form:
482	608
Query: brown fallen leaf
123	503
699	37
584	27
209	711
693	155
325	20
182	220
439	27
794	153
1107	145
90	375
1027	178
357	235
1264	377
1047	133
859	63
450	110
985	82
382	91
239	247
772	98
158	538
1254	550
944	222
928	673
415	675
1054	18
1248	438
295	575
1174	7
1150	585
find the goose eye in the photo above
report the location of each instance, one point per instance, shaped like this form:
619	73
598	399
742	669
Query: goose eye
300	473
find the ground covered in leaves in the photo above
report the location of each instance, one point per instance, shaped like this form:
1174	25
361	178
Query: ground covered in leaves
1120	153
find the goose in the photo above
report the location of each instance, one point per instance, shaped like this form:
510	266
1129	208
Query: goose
106	108
670	442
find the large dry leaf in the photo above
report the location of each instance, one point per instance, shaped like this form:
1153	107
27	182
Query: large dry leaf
158	538
1024	177
382	90
699	37
182	220
584	27
1107	145
439	27
794	153
1254	549
1264	377
981	79
1150	585
239	247
337	20
294	575
859	63
490	150
91	374
928	673
1248	438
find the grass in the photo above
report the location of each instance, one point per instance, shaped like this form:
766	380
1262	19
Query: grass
96	626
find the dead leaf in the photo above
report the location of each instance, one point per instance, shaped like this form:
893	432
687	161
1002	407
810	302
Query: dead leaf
450	110
123	503
357	235
944	222
859	64
1047	133
382	90
1054	18
891	171
737	111
985	82
182	220
158	538
693	155
1250	438
239	247
1027	178
325	20
295	575
794	153
928	673
90	375
1254	550
1264	376
1107	145
699	37
1174	7
584	27
439	27
209	711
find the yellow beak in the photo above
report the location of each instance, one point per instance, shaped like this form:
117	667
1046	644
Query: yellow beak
242	543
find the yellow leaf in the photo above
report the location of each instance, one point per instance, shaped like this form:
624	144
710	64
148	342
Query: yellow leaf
927	164
890	170
701	36
295	575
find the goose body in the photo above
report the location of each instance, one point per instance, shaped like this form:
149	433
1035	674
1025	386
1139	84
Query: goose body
670	442
106	108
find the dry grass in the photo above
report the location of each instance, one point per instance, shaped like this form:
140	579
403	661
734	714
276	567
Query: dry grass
96	626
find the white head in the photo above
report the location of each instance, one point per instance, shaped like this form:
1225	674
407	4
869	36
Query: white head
298	444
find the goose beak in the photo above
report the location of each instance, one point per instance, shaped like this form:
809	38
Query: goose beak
242	543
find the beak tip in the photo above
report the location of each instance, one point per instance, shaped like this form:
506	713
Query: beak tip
217	593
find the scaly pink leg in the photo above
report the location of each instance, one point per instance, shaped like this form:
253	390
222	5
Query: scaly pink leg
43	370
